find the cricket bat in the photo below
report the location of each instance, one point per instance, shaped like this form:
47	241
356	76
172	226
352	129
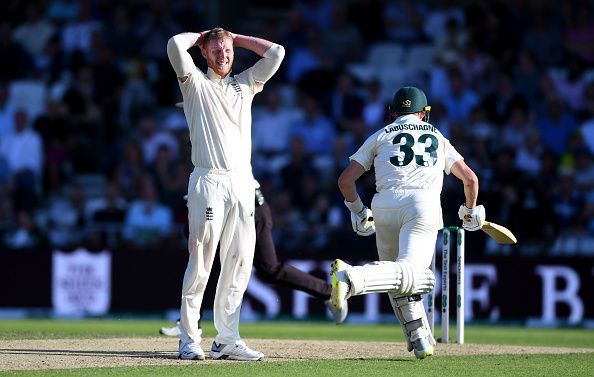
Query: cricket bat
499	233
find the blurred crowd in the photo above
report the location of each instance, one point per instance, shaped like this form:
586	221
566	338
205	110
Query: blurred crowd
94	152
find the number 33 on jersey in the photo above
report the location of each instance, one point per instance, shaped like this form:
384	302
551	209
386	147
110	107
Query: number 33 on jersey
408	154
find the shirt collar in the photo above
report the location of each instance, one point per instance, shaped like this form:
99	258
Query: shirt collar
215	77
406	117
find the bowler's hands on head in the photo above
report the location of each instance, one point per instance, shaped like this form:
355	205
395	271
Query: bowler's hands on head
472	218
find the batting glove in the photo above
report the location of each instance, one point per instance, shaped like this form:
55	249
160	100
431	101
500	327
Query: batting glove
361	218
472	218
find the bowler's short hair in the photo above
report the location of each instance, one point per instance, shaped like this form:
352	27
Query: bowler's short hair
215	34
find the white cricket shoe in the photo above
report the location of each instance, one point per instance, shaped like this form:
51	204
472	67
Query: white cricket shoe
340	286
190	351
339	315
170	331
422	347
237	351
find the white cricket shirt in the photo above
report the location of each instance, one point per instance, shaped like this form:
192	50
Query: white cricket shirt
409	155
218	111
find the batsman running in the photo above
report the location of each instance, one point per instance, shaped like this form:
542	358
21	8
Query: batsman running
410	156
217	106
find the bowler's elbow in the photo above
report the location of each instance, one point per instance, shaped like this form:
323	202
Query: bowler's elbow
276	52
172	46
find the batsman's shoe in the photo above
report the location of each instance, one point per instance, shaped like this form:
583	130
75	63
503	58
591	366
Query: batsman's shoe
170	331
190	351
422	347
237	351
340	285
339	315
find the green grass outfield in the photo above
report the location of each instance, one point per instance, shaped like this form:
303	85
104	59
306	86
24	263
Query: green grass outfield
443	366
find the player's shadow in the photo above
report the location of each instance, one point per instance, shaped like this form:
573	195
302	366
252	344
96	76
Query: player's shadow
58	352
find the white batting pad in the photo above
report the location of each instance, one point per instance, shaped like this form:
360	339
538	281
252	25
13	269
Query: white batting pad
401	278
413	319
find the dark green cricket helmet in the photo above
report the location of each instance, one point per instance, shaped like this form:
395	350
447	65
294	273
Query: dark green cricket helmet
408	100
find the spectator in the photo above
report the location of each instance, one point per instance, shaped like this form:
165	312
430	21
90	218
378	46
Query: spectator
374	107
78	34
271	129
307	59
23	150
316	12
34	33
315	129
136	97
461	99
556	126
109	217
171	178
343	42
571	86
16	63
25	234
449	46
294	31
343	103
498	104
528	156
403	20
526	77
568	203
152	138
299	165
66	218
130	169
112	208
543	39
122	35
436	17
51	63
516	127
147	220
323	218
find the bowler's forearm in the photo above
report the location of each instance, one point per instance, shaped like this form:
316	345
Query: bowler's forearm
349	192
257	45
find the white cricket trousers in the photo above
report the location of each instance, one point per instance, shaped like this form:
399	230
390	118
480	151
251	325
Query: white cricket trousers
220	209
406	226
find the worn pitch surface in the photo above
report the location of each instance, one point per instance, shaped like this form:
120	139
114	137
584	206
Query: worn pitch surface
119	352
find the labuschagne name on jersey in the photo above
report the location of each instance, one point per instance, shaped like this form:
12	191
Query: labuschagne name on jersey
410	127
